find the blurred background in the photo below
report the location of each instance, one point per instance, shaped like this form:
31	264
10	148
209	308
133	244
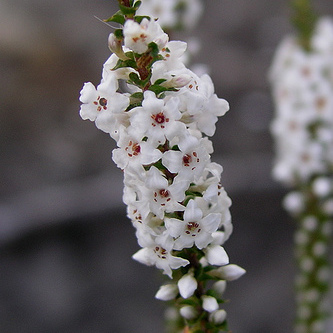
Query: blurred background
65	241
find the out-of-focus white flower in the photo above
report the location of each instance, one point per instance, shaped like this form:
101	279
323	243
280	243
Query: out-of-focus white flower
303	95
173	13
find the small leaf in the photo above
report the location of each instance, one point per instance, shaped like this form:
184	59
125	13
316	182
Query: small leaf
125	63
137	95
154	51
139	19
117	17
159	81
127	11
134	77
119	33
137	4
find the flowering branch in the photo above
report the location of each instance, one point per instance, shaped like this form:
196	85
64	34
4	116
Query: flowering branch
301	77
161	122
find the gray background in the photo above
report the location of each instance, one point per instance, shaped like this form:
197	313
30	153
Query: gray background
65	242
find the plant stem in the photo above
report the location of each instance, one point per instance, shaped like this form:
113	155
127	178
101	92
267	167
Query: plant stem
312	282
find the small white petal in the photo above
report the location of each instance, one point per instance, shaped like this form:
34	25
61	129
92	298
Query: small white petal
167	292
209	303
216	255
187	285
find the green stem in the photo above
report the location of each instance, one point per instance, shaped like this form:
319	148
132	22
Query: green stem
312	282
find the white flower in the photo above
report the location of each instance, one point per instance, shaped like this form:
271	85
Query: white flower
202	104
294	202
163	11
187	285
322	186
161	258
138	36
190	161
132	151
163	197
104	105
302	91
209	303
173	13
157	119
194	229
167	292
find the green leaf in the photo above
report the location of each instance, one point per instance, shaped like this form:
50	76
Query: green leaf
159	81
158	90
137	95
137	4
117	17
119	33
139	19
130	55
127	11
134	77
154	51
125	63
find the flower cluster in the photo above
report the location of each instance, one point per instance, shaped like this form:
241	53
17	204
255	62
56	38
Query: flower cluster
302	81
303	127
161	121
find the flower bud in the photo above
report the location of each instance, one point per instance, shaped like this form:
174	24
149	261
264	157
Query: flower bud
179	81
216	255
167	292
187	285
219	287
218	317
322	186
209	303
188	312
115	46
231	272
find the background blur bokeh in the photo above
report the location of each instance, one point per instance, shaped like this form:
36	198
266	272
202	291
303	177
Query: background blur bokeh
65	241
